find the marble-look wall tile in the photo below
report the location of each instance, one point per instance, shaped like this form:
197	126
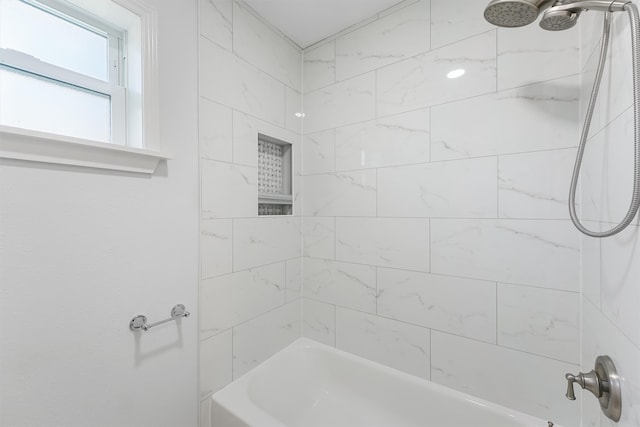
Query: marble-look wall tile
263	47
386	242
395	140
319	322
319	66
205	413
294	109
540	321
216	243
260	338
590	265
348	285
245	137
395	37
454	20
319	152
215	363
528	55
461	188
435	302
538	253
216	21
215	133
343	103
620	260
229	300
536	117
318	236
535	185
294	279
616	93
228	190
259	241
392	343
340	194
228	80
607	172
469	366
601	337
422	81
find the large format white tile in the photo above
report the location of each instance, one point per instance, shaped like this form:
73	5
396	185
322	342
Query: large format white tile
389	39
454	20
319	321
215	363
536	117
228	190
216	21
522	381
263	47
620	265
318	152
229	300
540	321
262	337
607	172
386	242
601	337
392	343
228	80
215	131
395	140
535	185
293	120
590	265
294	279
216	247
348	285
245	137
528	55
343	103
318	235
539	253
460	188
319	66
259	241
422	81
340	194
464	307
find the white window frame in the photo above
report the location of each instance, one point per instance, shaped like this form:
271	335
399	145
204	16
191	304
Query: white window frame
135	146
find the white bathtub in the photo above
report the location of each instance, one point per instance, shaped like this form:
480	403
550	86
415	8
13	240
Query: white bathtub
312	385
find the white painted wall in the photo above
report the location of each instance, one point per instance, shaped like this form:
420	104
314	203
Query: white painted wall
83	251
611	266
436	233
250	305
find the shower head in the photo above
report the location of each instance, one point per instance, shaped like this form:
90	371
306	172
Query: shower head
513	13
558	20
562	15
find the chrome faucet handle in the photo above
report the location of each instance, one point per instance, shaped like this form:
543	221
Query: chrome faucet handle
570	380
590	381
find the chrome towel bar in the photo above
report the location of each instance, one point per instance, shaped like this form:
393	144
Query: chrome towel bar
139	323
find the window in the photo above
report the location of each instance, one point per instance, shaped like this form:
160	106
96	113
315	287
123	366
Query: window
75	70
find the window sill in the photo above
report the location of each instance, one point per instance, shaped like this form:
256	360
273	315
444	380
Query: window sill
22	144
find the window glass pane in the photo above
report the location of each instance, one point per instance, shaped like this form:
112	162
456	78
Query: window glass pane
52	39
33	102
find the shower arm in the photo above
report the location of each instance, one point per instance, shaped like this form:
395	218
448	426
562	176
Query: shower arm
599	5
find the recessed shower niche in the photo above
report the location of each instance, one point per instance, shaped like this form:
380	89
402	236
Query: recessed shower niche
275	195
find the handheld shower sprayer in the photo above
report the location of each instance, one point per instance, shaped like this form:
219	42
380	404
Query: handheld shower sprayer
562	15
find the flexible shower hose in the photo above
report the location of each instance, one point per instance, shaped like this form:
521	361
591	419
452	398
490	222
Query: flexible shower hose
631	9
